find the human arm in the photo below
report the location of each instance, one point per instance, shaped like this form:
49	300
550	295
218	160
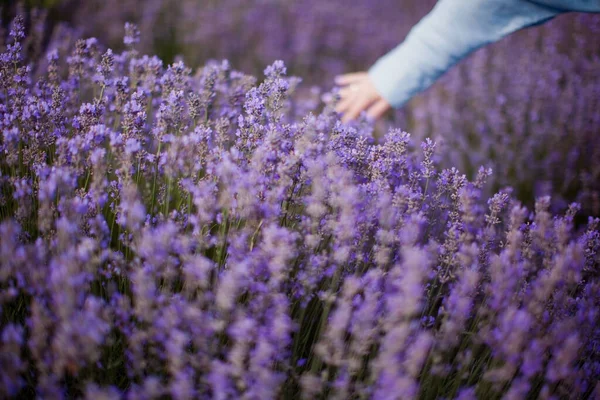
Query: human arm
452	30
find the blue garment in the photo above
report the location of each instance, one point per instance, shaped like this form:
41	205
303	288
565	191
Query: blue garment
452	30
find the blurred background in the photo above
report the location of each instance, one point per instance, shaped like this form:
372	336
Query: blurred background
527	106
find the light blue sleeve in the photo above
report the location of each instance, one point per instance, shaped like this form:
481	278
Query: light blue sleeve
452	30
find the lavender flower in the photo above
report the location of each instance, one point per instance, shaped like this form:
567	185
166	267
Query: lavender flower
189	234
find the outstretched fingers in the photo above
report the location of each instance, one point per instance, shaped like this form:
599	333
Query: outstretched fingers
358	94
359	105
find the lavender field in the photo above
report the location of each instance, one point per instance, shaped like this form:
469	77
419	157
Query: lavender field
183	215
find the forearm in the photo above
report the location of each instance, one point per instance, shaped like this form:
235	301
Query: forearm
452	30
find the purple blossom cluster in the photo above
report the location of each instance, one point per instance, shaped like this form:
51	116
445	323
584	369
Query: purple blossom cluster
179	233
526	106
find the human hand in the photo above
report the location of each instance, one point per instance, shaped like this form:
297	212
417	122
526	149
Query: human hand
359	94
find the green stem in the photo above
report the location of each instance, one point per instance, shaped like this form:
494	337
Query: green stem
317	363
252	240
167	197
155	177
224	231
